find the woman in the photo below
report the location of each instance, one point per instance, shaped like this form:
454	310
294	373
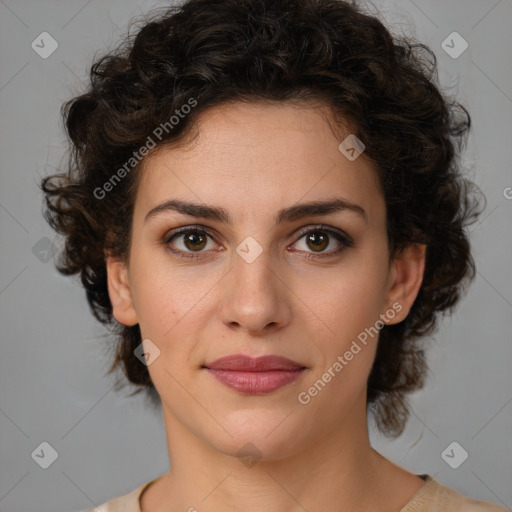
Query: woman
265	202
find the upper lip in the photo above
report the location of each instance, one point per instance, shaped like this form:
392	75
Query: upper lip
240	362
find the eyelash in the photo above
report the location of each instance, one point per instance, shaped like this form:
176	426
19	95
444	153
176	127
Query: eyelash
341	237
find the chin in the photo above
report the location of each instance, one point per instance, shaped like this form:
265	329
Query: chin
260	435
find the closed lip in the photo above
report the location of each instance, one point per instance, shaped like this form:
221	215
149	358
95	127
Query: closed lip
244	363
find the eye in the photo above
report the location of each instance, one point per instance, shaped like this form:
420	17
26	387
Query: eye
187	241
192	242
316	240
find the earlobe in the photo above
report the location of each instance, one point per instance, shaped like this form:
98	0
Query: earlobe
120	292
406	277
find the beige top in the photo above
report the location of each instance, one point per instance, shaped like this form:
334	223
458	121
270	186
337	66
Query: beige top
432	497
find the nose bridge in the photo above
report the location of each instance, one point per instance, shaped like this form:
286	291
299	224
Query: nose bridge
255	297
252	265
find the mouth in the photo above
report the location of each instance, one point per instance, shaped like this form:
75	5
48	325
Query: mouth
255	375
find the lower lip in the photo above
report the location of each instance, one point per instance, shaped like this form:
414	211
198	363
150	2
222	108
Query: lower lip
255	383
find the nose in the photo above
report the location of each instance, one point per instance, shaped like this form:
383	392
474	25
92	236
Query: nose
255	298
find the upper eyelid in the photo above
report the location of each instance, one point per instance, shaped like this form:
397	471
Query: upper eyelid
321	227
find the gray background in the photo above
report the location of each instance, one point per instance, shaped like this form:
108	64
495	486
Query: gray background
51	357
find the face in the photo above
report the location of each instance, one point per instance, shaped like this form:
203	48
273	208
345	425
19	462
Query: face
261	276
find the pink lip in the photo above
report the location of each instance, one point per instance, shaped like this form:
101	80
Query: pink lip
254	375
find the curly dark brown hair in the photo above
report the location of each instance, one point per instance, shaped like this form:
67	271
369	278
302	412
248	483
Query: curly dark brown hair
208	52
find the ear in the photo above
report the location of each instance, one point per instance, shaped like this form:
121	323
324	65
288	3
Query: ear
406	276
120	292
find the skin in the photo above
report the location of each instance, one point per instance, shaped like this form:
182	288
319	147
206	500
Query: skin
253	160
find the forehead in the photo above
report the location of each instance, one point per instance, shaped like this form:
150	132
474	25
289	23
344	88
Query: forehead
254	158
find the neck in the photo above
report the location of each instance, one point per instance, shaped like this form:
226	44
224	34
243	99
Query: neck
339	467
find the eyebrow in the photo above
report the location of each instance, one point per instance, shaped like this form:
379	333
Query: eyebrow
289	214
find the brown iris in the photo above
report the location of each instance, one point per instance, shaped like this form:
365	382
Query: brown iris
319	240
194	239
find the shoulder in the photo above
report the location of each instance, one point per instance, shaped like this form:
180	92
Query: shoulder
126	503
435	497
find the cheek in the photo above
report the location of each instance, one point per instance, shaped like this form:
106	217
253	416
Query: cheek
348	299
349	308
166	294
